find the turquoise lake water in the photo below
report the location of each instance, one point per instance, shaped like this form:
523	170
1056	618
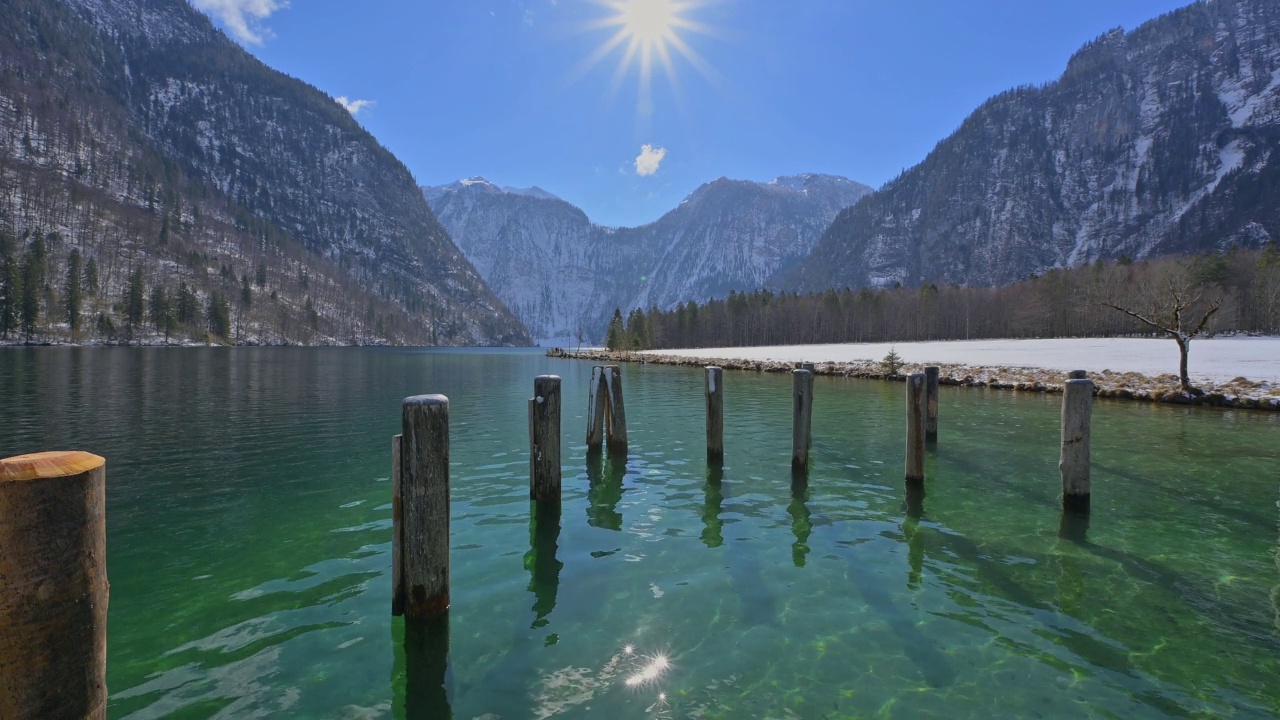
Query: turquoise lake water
249	547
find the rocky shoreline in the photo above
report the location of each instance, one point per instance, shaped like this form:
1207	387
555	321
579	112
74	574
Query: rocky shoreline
1238	393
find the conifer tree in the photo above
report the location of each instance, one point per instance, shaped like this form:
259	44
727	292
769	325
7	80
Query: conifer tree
616	338
33	280
160	310
135	301
91	276
10	295
71	295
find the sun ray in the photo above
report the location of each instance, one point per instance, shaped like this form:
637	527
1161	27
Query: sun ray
650	30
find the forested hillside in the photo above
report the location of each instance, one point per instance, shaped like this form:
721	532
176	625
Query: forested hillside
1243	285
156	180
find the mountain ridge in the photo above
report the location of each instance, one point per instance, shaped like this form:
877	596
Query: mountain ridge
1155	141
563	275
192	156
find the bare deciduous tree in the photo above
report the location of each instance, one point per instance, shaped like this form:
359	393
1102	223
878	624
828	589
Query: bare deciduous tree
1176	303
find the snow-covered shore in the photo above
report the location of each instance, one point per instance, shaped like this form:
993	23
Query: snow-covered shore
1233	372
1211	359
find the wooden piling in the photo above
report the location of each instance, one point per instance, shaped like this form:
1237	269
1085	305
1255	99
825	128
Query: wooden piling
715	414
424	467
812	373
1077	409
397	530
53	586
916	412
931	402
802	413
1078	375
616	431
544	439
597	409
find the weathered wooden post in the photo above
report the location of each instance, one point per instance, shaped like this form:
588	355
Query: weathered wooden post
597	409
397	529
53	586
812	373
1077	409
544	439
802	412
424	486
916	412
1078	375
931	395
617	415
715	414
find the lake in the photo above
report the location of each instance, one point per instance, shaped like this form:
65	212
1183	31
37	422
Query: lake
249	527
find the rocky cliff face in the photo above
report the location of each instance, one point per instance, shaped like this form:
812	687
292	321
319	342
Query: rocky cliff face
560	273
135	118
1161	140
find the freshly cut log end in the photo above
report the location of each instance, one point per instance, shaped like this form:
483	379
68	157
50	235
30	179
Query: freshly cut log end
57	464
53	586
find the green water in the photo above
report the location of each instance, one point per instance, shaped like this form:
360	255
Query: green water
249	547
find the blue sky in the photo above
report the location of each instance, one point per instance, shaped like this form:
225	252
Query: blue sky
503	89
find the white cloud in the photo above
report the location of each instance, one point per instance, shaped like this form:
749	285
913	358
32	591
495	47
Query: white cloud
649	159
243	18
354	106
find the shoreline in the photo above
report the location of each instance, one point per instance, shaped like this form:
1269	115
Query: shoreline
1239	393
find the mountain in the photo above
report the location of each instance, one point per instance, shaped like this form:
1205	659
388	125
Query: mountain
140	136
1157	141
561	274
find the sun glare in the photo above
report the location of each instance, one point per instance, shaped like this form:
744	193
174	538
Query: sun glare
647	32
648	21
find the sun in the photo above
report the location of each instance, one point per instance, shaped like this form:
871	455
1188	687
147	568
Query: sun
649	22
648	33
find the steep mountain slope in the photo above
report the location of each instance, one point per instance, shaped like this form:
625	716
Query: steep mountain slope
1158	141
561	274
133	120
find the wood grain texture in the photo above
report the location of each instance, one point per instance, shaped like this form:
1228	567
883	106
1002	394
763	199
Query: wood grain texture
53	586
1077	411
397	530
802	418
597	409
617	426
544	439
424	462
916	412
931	403
714	387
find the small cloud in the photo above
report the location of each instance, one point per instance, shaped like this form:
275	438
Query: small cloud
354	106
649	159
243	18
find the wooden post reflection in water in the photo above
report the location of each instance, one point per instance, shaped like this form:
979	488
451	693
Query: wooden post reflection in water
426	659
801	524
914	536
541	562
605	491
712	503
